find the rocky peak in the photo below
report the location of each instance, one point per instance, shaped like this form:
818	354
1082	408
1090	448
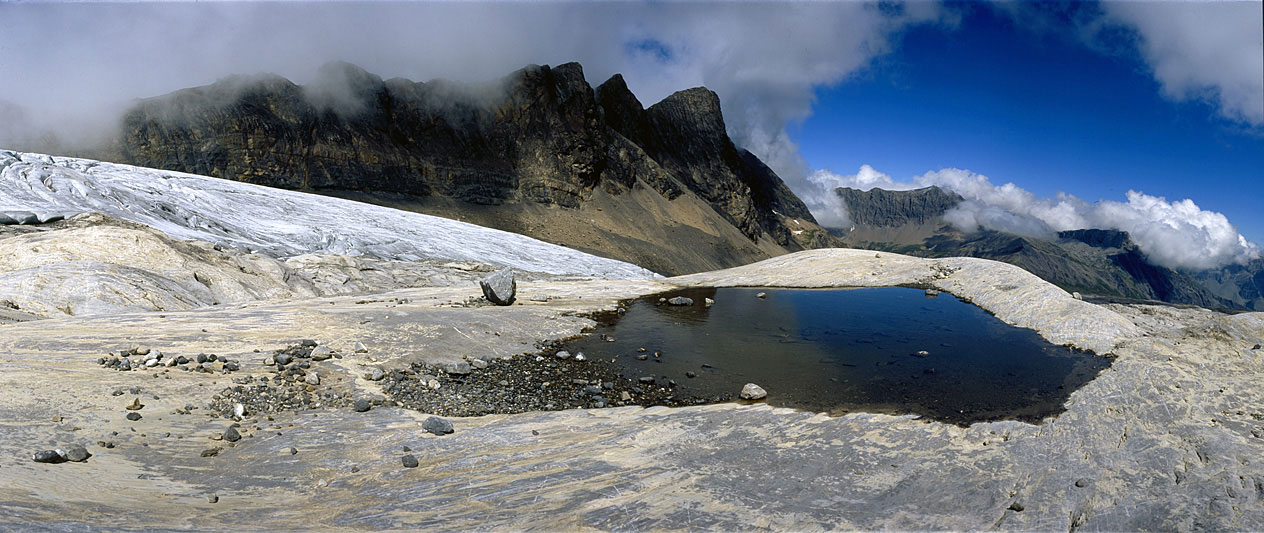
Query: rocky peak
623	111
886	209
1098	238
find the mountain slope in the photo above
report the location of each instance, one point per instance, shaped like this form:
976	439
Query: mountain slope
1091	261
538	152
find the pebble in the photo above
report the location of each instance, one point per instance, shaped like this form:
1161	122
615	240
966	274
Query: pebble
293	451
691	374
751	391
1018	507
211	452
362	405
231	434
1256	347
1081	483
648	380
642	357
133	416
212	498
135	405
437	426
409	461
48	456
761	295
680	300
375	375
321	353
563	354
312	379
239	410
77	454
282	359
932	293
360	348
580	356
708	302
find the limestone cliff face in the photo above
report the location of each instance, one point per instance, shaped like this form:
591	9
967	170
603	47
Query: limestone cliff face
883	208
539	136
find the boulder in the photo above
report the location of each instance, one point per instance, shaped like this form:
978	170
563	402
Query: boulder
680	300
500	287
752	391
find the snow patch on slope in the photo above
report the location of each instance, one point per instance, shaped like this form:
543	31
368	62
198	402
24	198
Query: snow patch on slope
280	223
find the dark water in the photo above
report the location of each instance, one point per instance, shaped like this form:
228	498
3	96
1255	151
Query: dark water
839	351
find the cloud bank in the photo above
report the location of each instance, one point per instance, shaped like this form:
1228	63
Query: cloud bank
1202	50
74	67
1172	234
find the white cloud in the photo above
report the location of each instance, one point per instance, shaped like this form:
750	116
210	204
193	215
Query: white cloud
1172	234
66	62
1202	50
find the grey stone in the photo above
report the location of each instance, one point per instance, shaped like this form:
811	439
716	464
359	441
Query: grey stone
409	461
212	498
77	454
1077	296
932	292
478	363
375	375
437	426
563	354
708	302
231	434
459	368
499	288
133	416
135	405
751	391
1081	483
360	348
321	353
580	356
282	359
362	405
761	295
680	300
312	379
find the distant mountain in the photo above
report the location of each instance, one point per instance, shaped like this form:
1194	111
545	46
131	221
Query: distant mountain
538	152
1091	261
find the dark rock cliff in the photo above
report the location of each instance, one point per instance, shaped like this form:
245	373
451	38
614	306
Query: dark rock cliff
539	136
883	208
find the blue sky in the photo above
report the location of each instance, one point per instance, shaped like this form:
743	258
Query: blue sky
1037	107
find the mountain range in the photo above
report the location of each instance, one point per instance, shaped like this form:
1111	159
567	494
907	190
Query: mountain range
1099	262
542	153
538	152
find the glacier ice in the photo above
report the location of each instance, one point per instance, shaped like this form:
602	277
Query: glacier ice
280	223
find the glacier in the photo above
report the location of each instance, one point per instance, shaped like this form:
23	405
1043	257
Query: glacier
36	188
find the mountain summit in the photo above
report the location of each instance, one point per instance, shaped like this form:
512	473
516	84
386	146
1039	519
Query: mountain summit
538	152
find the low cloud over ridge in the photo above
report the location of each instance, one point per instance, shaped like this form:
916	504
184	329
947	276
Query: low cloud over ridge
1172	234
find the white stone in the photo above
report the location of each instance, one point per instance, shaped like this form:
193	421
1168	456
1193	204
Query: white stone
751	391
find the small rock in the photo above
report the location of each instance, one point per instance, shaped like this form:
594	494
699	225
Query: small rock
761	295
321	353
680	300
932	293
623	395
1077	296
1081	483
409	461
751	391
239	410
293	451
437	426
580	356
375	375
362	405
648	380
1256	347
141	350
212	498
691	374
48	456
642	356
708	302
312	379
307	343
282	359
459	368
360	348
563	354
478	363
539	297
231	434
500	287
77	454
922	353
1017	507
133	416
211	452
135	405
